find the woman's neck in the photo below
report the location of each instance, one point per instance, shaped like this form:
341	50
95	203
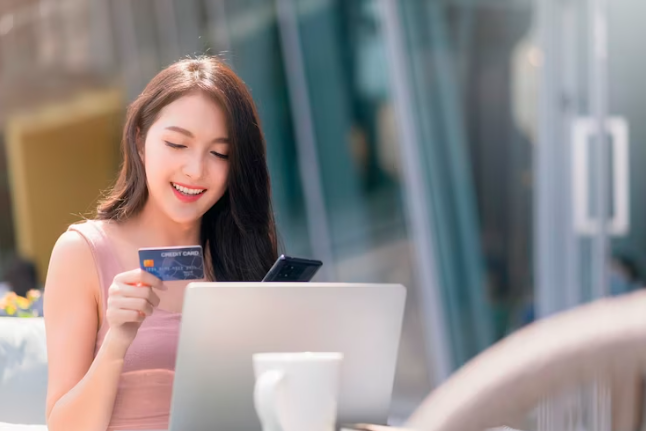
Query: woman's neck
152	228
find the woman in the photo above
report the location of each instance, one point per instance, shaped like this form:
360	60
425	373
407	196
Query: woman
194	172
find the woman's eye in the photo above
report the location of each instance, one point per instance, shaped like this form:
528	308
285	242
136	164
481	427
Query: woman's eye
220	155
170	144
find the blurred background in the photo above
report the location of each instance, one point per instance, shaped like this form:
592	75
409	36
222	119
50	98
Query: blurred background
453	146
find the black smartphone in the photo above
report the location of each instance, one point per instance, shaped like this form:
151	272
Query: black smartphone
294	269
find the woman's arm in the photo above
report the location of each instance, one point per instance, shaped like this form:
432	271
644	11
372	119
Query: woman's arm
81	389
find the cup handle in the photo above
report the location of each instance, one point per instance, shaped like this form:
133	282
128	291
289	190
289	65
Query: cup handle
265	396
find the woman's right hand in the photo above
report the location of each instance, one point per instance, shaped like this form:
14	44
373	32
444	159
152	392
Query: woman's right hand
131	298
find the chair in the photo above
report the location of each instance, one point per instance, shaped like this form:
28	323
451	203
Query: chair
602	341
23	371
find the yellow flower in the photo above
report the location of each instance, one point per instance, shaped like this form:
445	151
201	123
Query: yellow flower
23	303
14	305
11	310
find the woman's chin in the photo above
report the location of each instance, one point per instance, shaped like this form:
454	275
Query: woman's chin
185	218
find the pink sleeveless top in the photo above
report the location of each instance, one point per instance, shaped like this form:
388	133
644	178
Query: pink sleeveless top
146	382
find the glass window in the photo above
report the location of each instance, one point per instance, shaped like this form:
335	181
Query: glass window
476	129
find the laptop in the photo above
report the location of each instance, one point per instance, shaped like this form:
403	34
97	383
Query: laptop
224	324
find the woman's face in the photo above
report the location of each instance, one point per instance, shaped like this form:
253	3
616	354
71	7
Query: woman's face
186	158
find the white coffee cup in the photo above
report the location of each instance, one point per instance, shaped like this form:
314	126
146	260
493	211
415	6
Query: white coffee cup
297	391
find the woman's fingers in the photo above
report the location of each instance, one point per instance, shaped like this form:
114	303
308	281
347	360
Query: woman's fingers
129	291
139	277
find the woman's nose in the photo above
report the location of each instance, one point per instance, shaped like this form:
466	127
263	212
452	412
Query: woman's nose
194	166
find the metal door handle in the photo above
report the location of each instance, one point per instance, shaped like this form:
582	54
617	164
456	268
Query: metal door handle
582	129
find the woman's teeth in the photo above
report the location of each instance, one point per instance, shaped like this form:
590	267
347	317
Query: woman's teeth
188	191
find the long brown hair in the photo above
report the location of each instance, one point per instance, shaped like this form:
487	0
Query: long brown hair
239	230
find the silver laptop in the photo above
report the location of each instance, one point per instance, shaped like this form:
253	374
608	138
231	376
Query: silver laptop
224	324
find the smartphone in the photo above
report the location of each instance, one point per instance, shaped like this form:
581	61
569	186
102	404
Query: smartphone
293	269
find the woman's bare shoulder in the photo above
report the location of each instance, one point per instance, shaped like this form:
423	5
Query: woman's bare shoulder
71	265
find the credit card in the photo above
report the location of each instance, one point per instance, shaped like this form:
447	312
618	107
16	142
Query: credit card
173	263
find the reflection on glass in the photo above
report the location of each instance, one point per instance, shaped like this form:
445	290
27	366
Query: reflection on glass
627	100
477	161
358	150
254	52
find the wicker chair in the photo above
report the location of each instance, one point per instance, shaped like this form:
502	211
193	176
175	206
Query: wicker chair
603	342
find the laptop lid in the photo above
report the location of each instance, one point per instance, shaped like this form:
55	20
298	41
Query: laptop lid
224	324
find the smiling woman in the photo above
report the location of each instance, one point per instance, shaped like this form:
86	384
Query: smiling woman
185	156
193	119
194	172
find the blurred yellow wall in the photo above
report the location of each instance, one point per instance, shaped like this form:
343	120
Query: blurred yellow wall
60	159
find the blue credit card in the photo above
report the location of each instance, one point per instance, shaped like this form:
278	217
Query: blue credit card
173	263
